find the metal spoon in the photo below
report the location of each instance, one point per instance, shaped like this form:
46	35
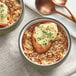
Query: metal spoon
62	3
47	7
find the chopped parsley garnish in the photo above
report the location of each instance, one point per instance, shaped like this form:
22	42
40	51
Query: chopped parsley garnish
2	16
45	43
1	10
48	27
39	38
44	32
49	34
38	25
52	36
50	40
8	12
1	5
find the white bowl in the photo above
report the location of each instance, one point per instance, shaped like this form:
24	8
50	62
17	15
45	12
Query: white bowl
35	21
16	24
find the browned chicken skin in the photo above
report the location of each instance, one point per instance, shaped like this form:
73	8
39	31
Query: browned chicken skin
38	47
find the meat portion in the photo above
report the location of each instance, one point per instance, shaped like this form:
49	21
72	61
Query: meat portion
3	14
39	47
43	35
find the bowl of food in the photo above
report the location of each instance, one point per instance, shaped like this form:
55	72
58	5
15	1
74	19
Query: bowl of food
11	12
44	42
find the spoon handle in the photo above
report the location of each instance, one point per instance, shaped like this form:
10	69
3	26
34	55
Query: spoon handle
69	17
73	17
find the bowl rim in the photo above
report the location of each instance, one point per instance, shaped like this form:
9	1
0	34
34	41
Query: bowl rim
22	11
45	18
